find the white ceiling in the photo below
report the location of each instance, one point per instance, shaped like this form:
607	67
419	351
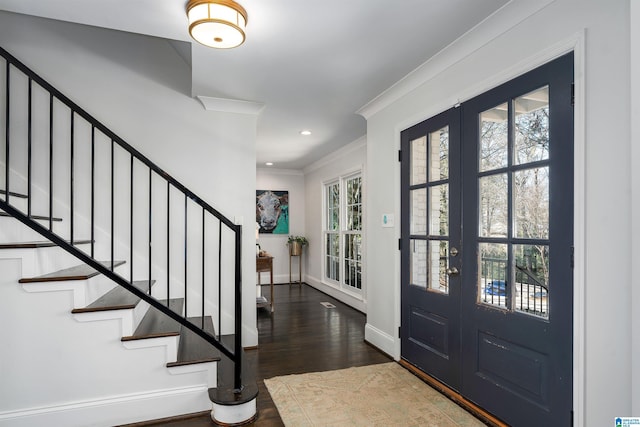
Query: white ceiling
312	63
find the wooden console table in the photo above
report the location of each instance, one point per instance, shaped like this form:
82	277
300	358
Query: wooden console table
263	264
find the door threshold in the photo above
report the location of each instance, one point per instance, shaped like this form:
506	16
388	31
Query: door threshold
467	405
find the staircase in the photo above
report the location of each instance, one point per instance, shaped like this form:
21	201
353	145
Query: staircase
104	235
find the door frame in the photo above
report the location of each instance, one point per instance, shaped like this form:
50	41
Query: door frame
576	43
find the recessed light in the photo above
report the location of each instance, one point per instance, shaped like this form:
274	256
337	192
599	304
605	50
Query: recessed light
305	132
269	164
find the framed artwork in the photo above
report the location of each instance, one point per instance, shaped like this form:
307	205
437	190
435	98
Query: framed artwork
272	211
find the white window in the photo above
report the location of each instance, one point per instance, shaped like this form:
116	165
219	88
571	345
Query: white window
343	232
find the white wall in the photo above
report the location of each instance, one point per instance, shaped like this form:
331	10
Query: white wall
141	88
504	46
346	160
276	244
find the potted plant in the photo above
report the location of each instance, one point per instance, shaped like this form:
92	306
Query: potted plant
295	244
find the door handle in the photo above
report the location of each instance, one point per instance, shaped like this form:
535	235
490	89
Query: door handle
452	271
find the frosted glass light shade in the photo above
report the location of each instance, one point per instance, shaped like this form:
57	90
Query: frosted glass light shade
217	23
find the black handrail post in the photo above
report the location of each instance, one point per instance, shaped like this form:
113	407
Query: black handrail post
29	147
93	189
113	160
186	241
150	223
7	132
131	224
203	264
50	162
219	279
71	145
168	240
238	308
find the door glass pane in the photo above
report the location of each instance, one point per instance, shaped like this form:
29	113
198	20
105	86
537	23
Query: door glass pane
531	203
439	151
419	161
493	206
439	210
532	279
419	211
532	127
418	250
492	280
438	263
494	135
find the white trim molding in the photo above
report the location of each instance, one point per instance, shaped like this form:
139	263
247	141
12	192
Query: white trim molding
498	23
225	105
113	410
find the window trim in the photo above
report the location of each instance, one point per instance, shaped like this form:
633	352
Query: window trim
340	284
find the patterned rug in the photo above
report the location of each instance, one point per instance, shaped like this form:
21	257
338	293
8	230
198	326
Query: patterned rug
374	395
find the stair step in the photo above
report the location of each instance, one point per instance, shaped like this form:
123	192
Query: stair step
41	244
117	298
155	324
225	393
192	348
12	194
38	217
79	272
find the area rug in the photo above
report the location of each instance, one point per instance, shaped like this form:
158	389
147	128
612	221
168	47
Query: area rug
373	395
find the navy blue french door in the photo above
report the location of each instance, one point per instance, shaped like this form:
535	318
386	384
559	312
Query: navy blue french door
486	249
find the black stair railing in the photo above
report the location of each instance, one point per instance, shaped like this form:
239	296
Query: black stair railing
70	165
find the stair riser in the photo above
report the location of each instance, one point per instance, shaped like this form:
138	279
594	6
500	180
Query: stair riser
129	318
84	291
170	344
38	261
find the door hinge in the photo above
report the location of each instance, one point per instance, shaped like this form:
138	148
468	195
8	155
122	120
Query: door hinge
572	418
572	257
573	94
399	331
400	156
399	244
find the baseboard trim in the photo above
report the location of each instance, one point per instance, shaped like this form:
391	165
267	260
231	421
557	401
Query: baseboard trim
454	396
379	339
114	410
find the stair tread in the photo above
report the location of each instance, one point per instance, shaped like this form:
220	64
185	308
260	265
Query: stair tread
78	272
192	348
38	217
224	393
13	194
117	298
155	324
37	244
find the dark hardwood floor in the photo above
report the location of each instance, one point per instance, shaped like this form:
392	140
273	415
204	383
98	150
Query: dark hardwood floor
301	336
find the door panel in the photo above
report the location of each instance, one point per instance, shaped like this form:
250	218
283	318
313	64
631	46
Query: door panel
430	242
501	332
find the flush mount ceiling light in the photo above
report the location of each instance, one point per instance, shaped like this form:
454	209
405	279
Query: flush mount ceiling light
217	23
305	132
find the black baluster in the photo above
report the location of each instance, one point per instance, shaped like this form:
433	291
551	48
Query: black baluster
50	162
112	202
93	189
29	148
71	145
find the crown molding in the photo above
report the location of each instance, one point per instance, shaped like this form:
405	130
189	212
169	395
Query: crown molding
226	105
343	151
496	24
